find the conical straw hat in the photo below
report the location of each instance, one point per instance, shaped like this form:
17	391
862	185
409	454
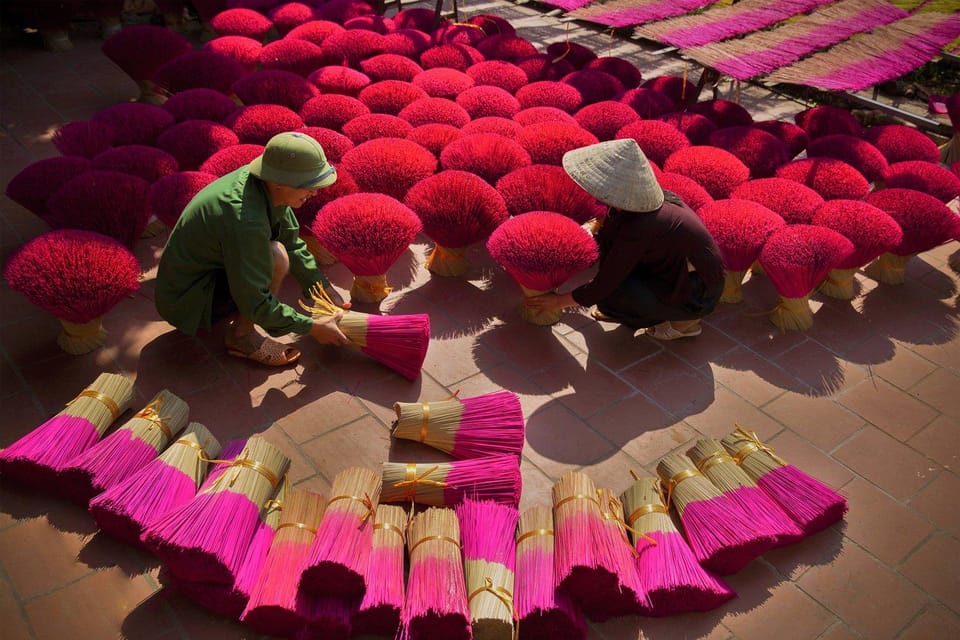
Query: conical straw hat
616	173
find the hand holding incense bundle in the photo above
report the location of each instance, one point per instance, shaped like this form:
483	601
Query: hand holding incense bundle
489	554
379	611
206	539
585	568
169	481
126	450
436	605
399	342
441	484
543	611
275	606
675	581
338	560
768	518
721	535
812	504
485	425
36	458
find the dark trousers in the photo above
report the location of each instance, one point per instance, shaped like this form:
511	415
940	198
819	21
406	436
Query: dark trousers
634	303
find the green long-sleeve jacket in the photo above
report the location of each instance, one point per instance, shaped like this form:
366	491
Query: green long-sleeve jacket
228	227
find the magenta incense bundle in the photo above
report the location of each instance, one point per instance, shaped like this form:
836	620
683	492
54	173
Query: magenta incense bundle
379	611
494	478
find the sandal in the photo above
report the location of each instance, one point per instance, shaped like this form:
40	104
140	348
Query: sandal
269	352
667	332
600	316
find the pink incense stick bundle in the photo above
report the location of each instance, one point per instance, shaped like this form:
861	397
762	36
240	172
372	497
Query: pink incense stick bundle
228	454
338	560
615	543
722	536
275	606
447	484
488	530
812	504
436	604
379	611
126	450
168	482
35	459
206	540
584	566
329	619
485	425
543	612
675	581
768	518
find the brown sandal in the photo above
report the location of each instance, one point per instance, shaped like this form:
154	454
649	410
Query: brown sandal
269	352
600	316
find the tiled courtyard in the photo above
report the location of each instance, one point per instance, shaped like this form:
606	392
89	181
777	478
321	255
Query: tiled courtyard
868	400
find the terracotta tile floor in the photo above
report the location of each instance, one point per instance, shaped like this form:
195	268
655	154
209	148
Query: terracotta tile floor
868	400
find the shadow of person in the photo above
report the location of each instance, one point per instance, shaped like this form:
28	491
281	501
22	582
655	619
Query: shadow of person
102	551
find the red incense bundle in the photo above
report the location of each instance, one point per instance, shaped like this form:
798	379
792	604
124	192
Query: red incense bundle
489	555
197	542
447	484
812	504
436	604
126	450
35	459
584	566
543	612
721	535
675	581
329	619
169	481
768	518
379	611
485	425
337	562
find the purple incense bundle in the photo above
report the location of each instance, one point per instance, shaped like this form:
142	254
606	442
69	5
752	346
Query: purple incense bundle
379	611
812	504
35	459
494	478
485	425
543	611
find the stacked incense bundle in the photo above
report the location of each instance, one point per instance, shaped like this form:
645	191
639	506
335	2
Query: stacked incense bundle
169	481
436	604
675	581
543	612
126	450
275	606
329	619
399	342
584	564
615	544
768	518
441	484
379	611
338	559
484	425
812	504
36	458
489	555
721	535
207	539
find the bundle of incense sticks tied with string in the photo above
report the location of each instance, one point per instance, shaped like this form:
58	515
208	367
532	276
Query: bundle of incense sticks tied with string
768	517
126	450
399	342
615	543
675	581
543	611
35	459
379	611
338	559
586	566
484	425
440	484
722	536
207	539
169	481
488	530
436	604
810	503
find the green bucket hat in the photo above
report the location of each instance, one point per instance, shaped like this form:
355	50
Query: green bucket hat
295	160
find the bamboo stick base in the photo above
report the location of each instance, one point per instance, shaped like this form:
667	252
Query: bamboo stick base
888	269
792	314
78	339
447	262
954	260
150	93
369	289
154	228
537	316
839	284
323	257
733	287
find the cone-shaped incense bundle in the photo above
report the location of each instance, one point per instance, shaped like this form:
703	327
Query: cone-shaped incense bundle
379	611
449	483
484	425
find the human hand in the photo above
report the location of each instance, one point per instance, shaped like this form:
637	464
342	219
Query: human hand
326	330
550	302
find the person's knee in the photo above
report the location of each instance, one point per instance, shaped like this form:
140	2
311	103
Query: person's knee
281	260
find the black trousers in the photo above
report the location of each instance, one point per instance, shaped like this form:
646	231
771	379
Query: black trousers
634	303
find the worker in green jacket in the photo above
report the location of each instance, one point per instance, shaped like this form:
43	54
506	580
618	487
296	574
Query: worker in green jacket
233	245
